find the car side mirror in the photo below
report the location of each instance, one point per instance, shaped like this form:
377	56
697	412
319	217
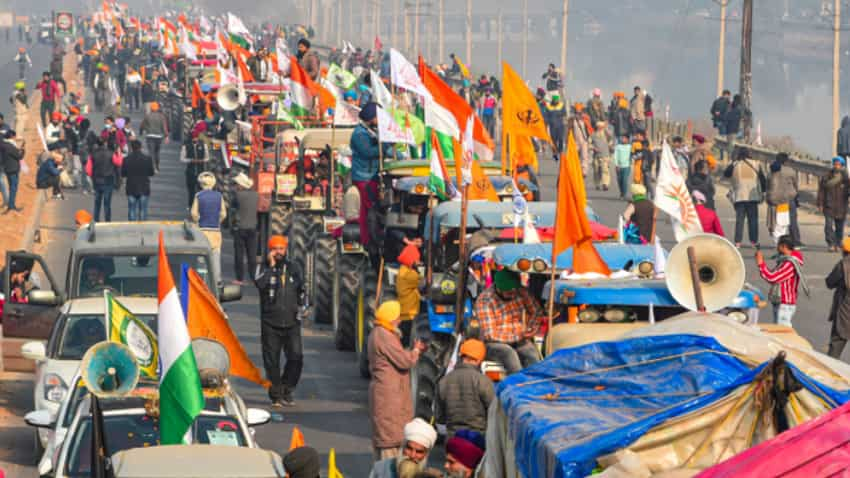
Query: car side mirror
43	297
230	293
257	416
34	350
40	419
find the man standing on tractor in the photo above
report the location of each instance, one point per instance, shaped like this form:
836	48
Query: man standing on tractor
281	285
365	156
510	318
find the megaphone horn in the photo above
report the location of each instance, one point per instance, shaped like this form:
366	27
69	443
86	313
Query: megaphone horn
229	97
719	267
109	369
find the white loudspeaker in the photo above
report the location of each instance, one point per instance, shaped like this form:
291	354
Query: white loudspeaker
719	266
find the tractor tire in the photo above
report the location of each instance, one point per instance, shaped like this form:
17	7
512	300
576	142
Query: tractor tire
280	218
349	270
428	371
366	315
324	271
302	235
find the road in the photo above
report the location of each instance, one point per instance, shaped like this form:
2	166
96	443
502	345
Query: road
331	407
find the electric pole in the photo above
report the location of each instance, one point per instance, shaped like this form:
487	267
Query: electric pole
499	39
441	42
468	32
746	86
416	28
721	51
836	72
524	39
339	24
564	37
406	29
395	23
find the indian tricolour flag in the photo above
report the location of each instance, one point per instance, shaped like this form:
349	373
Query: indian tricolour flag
180	397
303	89
438	179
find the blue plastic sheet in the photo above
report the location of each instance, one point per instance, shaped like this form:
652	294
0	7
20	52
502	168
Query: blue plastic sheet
566	411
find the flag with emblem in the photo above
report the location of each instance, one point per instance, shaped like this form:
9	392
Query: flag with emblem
125	328
438	179
673	197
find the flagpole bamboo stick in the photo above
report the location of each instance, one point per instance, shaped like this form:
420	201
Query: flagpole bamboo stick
461	283
429	271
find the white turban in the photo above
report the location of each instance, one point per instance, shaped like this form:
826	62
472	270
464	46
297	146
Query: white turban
419	431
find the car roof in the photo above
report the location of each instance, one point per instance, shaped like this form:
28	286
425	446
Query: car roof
96	305
208	461
139	237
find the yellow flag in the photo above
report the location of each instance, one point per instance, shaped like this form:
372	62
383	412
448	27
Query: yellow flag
520	112
125	328
333	471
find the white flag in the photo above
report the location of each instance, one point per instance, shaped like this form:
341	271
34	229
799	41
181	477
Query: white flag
380	93
390	132
672	196
235	26
282	56
469	151
404	75
345	114
186	47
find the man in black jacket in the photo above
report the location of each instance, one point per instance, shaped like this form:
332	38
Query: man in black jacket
138	169
718	111
11	156
281	284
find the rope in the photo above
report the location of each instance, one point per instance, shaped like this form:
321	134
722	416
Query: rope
627	365
558	396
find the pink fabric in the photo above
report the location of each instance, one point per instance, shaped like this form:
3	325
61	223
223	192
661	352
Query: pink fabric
117	159
89	167
366	188
817	448
709	220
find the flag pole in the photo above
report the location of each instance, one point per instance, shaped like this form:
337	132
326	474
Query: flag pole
333	158
429	271
461	283
551	311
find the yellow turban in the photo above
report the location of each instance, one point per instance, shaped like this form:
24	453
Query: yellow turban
388	313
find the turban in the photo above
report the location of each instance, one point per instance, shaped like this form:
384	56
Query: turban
409	255
419	431
506	280
302	462
464	452
369	112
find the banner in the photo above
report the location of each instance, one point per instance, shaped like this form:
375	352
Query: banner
125	328
403	75
390	132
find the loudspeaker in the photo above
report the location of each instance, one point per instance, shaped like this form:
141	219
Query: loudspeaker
719	266
109	369
229	99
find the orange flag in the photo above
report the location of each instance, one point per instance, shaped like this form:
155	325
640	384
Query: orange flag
297	439
572	227
520	113
206	319
481	186
522	152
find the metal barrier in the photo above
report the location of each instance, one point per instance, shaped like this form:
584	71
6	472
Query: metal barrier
805	167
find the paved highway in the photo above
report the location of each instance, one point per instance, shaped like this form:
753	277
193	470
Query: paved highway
331	406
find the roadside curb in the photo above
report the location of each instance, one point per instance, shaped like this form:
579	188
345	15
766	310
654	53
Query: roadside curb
35	221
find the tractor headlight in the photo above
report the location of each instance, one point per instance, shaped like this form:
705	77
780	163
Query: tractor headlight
523	265
539	265
589	315
738	316
646	269
616	315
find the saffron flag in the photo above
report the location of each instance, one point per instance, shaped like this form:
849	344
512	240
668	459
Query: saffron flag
125	328
520	112
479	186
180	397
205	318
672	196
572	228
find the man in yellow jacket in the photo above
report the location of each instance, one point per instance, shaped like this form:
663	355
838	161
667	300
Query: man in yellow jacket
407	282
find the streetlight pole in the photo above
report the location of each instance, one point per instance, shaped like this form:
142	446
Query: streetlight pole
836	72
441	33
721	50
468	32
564	37
525	38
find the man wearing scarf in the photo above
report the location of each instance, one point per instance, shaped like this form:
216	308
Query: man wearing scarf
390	406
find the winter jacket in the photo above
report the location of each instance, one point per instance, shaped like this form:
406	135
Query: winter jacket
704	184
596	110
47	170
843	137
209	209
642	213
365	154
620	122
840	310
637	107
600	143
745	181
833	193
103	171
281	290
718	110
407	291
138	169
463	397
732	119
12	156
245	204
154	124
782	187
390	407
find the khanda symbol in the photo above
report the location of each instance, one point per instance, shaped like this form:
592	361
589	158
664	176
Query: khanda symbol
527	117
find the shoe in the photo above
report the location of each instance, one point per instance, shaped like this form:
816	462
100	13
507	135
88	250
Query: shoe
737	245
236	282
756	246
277	404
7	211
604	188
287	400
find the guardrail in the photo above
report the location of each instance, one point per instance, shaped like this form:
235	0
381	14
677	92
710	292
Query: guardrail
806	167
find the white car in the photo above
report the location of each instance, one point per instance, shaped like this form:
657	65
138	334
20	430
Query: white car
133	422
80	325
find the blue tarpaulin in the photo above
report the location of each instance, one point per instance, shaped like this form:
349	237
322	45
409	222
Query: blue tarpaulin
585	402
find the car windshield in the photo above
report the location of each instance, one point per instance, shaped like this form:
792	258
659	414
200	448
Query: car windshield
132	275
83	331
123	432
